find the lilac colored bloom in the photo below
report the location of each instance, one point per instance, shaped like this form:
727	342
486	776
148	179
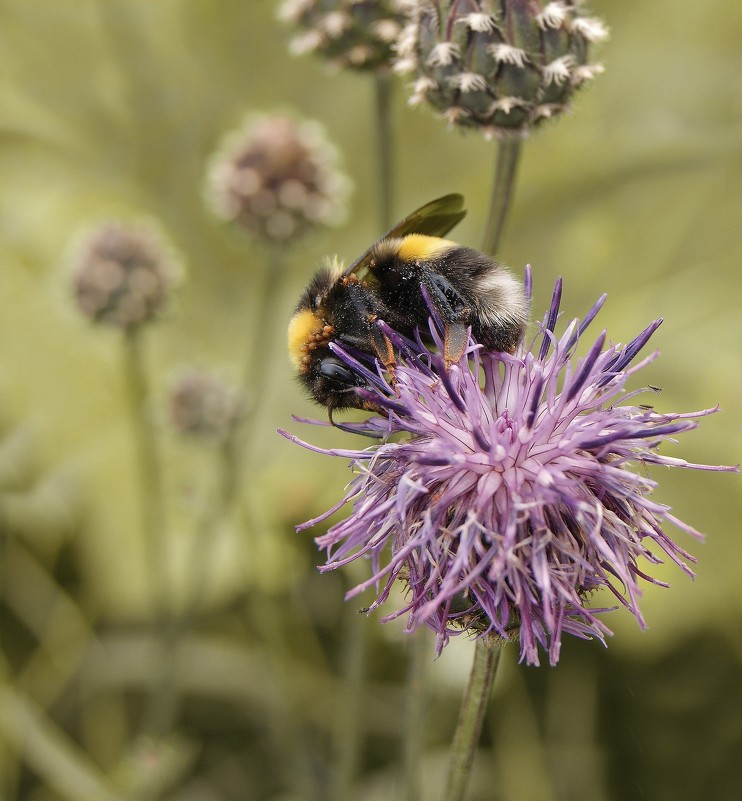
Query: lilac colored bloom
510	496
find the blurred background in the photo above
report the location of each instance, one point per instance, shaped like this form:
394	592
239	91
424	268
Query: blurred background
216	663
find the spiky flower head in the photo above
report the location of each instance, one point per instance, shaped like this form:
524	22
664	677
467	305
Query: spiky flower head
501	66
123	274
278	178
354	34
204	405
503	502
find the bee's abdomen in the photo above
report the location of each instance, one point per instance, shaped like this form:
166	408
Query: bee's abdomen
464	285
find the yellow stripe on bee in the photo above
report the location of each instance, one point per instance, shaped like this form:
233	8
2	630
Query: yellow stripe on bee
302	326
420	247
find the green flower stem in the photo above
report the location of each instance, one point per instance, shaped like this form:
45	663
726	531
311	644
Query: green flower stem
153	528
471	716
348	731
384	145
196	583
215	512
239	466
419	656
148	468
508	153
9	752
263	317
4	548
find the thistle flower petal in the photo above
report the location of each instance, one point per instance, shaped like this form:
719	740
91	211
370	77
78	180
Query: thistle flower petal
507	488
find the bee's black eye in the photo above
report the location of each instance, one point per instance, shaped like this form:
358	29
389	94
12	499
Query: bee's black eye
336	371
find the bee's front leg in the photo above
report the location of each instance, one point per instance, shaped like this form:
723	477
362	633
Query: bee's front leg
382	345
455	314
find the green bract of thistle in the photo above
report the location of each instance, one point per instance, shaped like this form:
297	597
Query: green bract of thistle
501	66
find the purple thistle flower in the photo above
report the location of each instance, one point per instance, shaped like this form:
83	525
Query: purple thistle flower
511	496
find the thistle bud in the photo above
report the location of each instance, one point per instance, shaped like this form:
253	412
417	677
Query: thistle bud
498	66
278	179
203	405
123	275
354	34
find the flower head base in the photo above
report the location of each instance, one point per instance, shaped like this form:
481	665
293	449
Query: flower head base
498	66
123	275
278	178
202	405
351	34
503	502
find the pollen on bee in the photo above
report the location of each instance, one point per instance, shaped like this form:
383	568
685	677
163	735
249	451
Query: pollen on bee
304	326
306	333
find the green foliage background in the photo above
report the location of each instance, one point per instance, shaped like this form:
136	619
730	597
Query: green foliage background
112	109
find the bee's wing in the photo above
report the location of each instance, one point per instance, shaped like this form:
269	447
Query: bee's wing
436	218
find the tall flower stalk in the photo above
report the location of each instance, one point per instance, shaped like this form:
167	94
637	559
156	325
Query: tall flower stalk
471	717
149	472
416	697
503	187
384	90
123	277
203	407
278	179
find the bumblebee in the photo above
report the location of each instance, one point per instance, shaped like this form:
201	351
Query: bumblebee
394	280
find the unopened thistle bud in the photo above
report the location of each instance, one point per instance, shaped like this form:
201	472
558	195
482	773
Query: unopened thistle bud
355	34
278	178
498	66
203	405
123	275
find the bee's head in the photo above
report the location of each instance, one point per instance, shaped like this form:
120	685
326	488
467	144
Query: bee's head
332	383
311	325
333	307
329	380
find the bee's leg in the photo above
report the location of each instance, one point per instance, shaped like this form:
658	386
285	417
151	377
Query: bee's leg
454	313
454	343
383	347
